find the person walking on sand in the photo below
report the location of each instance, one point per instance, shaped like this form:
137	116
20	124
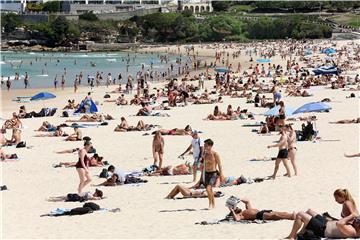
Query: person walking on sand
55	82
158	149
212	170
26	80
82	166
8	84
282	155
197	146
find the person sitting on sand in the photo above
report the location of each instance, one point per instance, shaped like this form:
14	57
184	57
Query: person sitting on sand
46	127
136	100
74	197
347	121
263	129
217	115
121	100
95	161
343	197
71	105
348	227
58	133
14	122
76	136
123	126
145	110
251	213
15	137
176	131
189	193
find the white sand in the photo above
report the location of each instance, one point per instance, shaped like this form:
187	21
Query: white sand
322	168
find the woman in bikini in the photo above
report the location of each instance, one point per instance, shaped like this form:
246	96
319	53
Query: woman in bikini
282	117
158	149
291	146
82	167
343	196
58	133
176	131
95	161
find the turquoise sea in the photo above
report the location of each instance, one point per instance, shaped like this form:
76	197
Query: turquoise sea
43	67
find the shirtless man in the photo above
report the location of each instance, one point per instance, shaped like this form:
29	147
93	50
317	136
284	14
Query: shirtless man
123	126
251	213
213	169
348	227
76	136
282	155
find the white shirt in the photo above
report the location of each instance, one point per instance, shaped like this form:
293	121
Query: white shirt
121	174
196	143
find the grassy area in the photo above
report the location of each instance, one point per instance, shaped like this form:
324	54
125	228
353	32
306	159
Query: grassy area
352	20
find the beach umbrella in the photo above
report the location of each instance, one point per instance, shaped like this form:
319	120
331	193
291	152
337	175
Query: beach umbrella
275	111
313	107
263	60
222	70
42	96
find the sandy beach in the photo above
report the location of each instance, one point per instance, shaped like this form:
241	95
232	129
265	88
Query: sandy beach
144	211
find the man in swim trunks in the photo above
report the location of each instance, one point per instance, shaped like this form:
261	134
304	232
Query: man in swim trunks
251	213
213	170
282	155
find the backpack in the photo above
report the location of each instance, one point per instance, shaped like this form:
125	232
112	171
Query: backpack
92	206
80	211
104	173
73	197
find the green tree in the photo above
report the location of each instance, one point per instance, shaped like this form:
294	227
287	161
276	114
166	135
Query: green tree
88	16
10	22
52	6
60	27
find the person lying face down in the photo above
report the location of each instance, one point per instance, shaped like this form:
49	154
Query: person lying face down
74	197
251	213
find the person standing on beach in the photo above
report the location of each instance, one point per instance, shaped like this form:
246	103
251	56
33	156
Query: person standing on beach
291	139
62	82
212	170
26	80
197	146
282	155
75	84
8	84
82	166
158	149
55	82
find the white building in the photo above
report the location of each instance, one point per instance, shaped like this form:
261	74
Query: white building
195	6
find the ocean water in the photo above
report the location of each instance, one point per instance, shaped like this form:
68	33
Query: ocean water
43	67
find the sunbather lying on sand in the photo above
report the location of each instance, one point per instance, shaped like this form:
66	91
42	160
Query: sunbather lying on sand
74	197
119	101
4	156
46	127
189	193
93	118
58	133
176	131
68	151
182	169
141	126
95	161
347	121
251	213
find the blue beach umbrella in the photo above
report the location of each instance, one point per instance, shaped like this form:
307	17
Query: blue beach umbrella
313	107
223	70
275	111
42	96
263	60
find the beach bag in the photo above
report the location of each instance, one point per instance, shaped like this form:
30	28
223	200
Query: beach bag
73	197
104	173
92	206
80	211
21	145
